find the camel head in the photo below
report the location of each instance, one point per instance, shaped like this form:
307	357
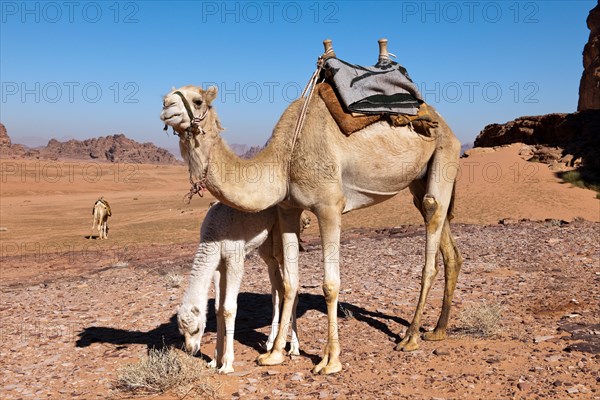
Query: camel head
189	112
191	322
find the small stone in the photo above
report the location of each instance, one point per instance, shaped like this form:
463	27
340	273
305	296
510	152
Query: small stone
239	373
524	386
272	372
250	388
557	383
440	352
572	390
323	394
539	339
553	358
298	376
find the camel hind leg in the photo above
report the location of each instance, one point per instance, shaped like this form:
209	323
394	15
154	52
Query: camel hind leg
452	264
433	201
289	224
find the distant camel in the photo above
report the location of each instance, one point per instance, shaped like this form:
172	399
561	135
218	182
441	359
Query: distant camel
101	212
227	235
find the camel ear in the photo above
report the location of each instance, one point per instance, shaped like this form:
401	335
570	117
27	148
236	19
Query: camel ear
195	311
210	94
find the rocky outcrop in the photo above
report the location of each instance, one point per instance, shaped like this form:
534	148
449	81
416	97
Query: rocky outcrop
4	138
7	148
572	140
251	152
115	148
589	87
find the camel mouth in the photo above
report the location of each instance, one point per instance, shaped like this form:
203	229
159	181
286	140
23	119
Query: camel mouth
173	119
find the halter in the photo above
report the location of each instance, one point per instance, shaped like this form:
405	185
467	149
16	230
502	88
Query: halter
194	121
197	187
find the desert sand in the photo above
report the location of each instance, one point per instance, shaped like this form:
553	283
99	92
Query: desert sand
74	309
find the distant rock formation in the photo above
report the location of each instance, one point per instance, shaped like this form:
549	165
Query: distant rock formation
115	148
4	138
562	140
589	87
567	140
239	149
251	152
7	148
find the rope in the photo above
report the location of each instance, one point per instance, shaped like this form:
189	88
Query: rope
307	94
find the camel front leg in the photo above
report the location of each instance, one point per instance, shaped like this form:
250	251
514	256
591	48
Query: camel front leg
276	296
220	281
289	222
233	274
330	220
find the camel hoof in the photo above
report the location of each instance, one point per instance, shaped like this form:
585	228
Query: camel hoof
294	349
225	369
434	335
408	344
271	358
330	368
212	363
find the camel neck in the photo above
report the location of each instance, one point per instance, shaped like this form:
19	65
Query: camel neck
248	184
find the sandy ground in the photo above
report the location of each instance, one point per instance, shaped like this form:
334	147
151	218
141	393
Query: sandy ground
74	310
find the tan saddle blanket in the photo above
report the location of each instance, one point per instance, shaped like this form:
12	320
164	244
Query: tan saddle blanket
422	123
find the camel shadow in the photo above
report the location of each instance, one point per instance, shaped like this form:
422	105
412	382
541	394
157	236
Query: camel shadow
373	319
254	313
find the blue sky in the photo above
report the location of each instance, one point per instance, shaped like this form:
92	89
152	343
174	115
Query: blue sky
93	68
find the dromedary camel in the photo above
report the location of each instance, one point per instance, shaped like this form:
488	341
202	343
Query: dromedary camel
226	236
101	212
329	174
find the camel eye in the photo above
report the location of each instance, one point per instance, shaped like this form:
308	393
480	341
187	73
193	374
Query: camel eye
198	102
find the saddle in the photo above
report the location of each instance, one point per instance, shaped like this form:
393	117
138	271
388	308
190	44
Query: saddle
423	122
357	96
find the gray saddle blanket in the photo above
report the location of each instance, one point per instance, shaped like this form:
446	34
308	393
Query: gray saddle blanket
381	89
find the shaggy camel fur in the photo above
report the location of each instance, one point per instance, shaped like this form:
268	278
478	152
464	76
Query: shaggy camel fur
101	212
227	235
329	174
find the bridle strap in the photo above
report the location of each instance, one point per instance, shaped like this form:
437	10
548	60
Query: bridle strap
194	121
186	105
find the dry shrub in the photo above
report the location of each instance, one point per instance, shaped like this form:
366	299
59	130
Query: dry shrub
173	280
484	320
166	369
